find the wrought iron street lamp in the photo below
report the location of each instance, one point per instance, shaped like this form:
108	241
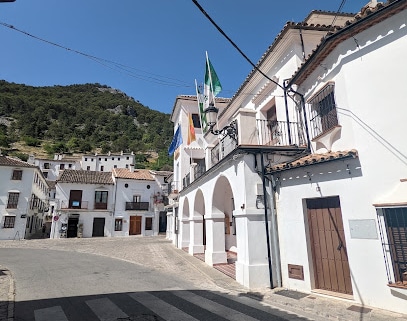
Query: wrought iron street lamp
211	116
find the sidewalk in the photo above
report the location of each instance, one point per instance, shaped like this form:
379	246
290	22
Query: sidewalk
6	295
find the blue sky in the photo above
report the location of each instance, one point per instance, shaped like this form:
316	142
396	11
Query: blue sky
161	44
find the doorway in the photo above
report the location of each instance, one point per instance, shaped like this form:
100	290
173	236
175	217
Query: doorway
162	225
328	245
135	225
98	226
72	230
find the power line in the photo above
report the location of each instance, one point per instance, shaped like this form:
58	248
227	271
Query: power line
127	70
337	12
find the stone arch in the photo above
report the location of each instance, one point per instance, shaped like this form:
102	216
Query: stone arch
184	229
223	203
197	225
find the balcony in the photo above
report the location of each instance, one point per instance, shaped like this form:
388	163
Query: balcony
137	206
83	205
280	133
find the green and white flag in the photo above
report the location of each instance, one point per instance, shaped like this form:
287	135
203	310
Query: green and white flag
201	99
212	87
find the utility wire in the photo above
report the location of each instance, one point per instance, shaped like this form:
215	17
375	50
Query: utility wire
337	12
111	64
233	44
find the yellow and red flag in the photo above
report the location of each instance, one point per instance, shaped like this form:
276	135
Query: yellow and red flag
191	130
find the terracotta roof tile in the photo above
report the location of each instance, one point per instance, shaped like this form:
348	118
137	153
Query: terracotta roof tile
141	174
313	159
11	161
85	177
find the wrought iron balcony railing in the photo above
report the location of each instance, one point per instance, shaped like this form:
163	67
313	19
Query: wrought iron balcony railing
137	206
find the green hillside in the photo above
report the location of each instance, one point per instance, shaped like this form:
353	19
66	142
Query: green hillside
81	119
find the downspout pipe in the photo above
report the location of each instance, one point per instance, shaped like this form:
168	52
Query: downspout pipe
274	231
263	177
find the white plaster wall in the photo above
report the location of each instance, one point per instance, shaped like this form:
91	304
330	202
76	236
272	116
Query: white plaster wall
369	92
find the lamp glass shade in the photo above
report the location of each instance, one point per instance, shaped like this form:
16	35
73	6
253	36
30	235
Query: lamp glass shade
211	115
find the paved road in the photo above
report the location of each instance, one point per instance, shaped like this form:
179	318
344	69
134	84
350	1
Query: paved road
137	278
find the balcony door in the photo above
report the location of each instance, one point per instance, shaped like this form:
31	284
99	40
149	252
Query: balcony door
75	199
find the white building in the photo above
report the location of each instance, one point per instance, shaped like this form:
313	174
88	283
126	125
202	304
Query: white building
138	198
51	168
85	204
342	211
310	193
24	198
119	203
107	162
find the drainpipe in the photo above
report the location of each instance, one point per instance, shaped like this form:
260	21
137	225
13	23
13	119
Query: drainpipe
274	232
263	177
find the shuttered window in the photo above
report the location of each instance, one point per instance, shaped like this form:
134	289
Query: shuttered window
395	221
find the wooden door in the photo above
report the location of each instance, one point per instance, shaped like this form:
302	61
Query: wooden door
135	225
328	245
98	226
72	230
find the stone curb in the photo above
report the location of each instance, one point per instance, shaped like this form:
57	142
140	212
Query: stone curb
9	296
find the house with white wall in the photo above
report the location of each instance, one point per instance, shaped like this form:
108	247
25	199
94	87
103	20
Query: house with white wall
107	162
310	151
85	204
342	210
222	202
137	202
23	198
51	168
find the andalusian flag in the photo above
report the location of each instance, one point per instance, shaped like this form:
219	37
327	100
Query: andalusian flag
212	87
191	130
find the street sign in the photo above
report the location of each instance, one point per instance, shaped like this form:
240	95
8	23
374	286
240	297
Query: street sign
56	218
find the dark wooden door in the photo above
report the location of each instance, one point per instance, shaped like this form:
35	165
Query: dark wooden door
135	225
328	245
72	230
98	226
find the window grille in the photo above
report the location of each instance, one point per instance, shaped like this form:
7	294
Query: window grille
12	200
323	111
393	233
9	221
17	175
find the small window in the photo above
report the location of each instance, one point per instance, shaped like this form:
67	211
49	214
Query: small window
17	175
118	224
70	165
114	166
100	159
127	166
127	158
105	159
12	200
91	159
101	200
102	168
149	223
45	174
118	158
46	165
86	159
323	111
148	186
126	185
196	121
112	158
88	168
61	166
395	224
9	221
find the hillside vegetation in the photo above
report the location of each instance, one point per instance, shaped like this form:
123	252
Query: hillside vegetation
81	119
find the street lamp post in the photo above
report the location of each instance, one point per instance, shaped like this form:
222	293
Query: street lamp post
211	115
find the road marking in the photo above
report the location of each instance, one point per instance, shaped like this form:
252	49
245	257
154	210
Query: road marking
213	307
54	313
163	309
105	309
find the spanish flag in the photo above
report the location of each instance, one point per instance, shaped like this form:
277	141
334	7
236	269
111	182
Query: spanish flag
191	130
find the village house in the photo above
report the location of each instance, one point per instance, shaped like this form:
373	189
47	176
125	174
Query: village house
302	184
24	199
